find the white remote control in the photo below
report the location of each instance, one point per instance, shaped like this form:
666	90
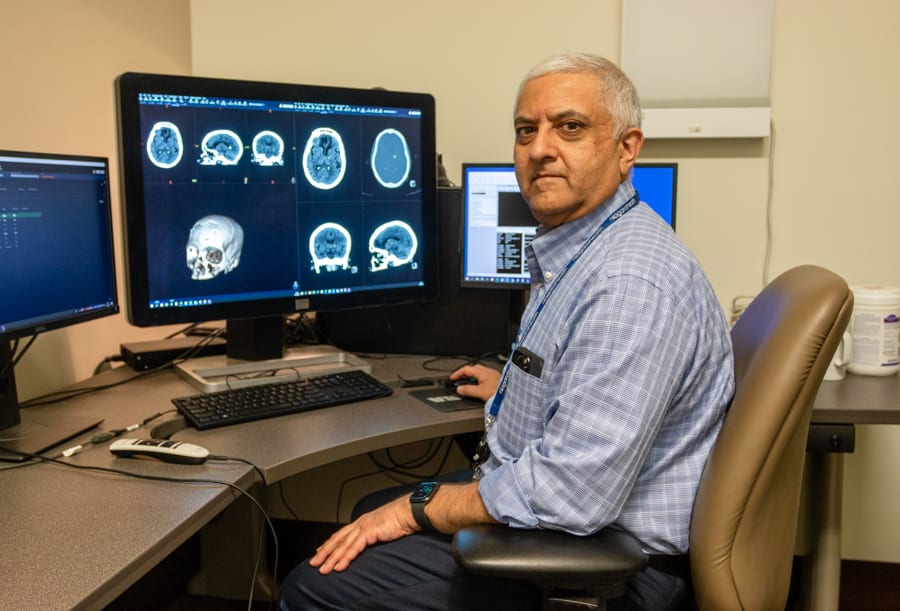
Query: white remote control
162	449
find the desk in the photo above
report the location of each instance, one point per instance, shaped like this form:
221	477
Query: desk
853	400
77	540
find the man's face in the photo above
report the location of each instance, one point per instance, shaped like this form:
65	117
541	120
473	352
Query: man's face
567	162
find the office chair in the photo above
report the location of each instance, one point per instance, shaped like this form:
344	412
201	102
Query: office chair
745	512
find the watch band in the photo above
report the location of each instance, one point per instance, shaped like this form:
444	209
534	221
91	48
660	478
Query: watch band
418	511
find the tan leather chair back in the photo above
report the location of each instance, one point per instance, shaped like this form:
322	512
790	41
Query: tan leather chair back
745	514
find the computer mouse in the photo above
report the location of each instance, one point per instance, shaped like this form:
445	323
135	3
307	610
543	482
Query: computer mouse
452	385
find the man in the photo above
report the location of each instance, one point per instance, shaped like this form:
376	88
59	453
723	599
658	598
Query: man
613	397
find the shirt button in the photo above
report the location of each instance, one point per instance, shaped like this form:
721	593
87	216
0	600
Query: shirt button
548	276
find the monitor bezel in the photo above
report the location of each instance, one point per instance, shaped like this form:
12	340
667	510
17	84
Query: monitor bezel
62	320
129	85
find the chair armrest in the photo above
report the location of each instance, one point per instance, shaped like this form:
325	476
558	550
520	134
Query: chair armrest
549	558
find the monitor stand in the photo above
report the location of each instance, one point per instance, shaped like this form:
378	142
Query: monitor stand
31	431
221	372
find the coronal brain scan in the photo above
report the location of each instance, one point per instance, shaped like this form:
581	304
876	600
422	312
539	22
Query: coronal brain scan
391	245
390	159
324	158
214	246
329	247
268	149
164	145
221	147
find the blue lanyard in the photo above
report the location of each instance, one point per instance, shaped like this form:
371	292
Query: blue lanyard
523	332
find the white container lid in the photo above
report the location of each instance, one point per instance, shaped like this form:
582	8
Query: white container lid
876	294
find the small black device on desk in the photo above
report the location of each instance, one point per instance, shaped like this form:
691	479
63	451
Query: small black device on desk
212	410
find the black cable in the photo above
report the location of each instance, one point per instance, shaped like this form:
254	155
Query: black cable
259	472
284	501
398	469
178	480
62	395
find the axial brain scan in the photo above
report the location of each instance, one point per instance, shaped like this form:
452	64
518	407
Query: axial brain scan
390	159
214	246
164	145
329	247
268	149
324	158
392	244
221	147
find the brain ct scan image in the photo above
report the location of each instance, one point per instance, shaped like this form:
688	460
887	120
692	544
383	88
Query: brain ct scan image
390	159
268	149
391	245
329	247
214	246
221	147
164	145
324	158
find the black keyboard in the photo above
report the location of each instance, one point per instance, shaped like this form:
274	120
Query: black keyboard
215	409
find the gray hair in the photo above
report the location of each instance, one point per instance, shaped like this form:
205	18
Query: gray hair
617	93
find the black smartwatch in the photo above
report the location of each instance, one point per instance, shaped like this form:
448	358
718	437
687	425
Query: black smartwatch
420	497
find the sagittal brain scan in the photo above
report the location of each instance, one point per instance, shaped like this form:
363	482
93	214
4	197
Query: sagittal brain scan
268	149
390	159
329	247
164	145
221	147
324	158
392	244
214	246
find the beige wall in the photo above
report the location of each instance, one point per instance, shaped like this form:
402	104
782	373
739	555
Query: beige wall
60	59
833	156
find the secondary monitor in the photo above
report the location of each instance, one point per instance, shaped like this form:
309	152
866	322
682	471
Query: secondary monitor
56	261
247	201
497	224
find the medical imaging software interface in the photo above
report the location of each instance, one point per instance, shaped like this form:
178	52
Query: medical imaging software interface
266	199
55	241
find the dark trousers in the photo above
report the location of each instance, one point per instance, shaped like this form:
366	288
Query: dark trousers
419	572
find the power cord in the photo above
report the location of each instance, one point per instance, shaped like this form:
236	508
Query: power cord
37	458
395	470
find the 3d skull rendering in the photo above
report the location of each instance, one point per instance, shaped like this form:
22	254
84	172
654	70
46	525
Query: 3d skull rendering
329	247
392	244
214	246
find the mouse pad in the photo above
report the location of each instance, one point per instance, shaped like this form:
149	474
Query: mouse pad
445	401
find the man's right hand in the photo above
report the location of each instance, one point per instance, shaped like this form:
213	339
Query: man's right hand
487	381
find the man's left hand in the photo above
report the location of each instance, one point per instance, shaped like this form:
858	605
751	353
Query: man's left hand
387	523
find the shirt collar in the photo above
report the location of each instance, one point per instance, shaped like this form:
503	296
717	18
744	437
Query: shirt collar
552	249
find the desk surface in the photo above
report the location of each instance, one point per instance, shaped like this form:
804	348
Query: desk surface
859	399
76	539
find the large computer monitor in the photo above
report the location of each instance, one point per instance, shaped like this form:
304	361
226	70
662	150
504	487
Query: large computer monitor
56	262
497	224
248	201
